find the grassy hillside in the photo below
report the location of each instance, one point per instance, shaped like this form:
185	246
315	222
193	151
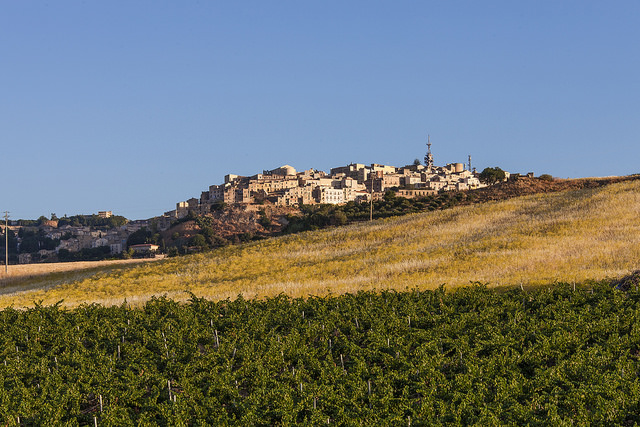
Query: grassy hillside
573	236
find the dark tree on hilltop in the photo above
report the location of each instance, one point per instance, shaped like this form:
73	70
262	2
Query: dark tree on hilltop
492	175
92	221
139	237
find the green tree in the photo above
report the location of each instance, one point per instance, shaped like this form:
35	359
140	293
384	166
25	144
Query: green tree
492	175
218	205
139	237
338	218
173	251
29	244
65	255
264	220
198	240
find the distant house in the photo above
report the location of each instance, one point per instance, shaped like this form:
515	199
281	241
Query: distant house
145	249
101	241
24	258
116	248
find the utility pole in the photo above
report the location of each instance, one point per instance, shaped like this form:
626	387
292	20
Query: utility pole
371	199
6	242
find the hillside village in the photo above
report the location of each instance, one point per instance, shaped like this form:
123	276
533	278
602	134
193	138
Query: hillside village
281	187
50	240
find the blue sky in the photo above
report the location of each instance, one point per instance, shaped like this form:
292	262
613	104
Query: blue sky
132	106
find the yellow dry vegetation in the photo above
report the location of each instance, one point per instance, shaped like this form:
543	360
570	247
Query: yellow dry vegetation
575	236
46	275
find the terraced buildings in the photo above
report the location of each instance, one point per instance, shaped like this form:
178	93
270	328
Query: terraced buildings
355	182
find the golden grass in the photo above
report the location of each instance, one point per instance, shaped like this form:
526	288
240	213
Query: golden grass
576	236
47	275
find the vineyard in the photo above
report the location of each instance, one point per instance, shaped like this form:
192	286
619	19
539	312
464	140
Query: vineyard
553	356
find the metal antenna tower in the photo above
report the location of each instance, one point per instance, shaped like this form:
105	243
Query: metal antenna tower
428	158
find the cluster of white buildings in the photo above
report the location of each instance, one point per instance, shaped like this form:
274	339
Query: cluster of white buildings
356	182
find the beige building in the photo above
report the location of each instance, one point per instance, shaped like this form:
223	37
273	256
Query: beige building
216	192
349	170
327	195
72	245
412	194
183	208
411	180
351	194
285	170
383	168
295	196
116	248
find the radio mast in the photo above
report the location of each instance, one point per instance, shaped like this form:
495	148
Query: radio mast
428	158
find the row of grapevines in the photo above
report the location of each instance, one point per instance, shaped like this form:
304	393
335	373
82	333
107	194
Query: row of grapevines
473	356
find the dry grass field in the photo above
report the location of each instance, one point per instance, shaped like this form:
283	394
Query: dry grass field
47	275
572	236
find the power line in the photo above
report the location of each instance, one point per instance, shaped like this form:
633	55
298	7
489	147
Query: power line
6	242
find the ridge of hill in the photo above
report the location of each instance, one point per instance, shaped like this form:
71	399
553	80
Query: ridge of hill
523	186
575	236
234	224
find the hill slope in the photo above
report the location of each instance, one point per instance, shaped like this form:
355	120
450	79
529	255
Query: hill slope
573	236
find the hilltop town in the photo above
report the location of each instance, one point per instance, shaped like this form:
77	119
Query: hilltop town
355	182
87	237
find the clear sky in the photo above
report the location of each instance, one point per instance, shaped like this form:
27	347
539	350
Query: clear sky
132	106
